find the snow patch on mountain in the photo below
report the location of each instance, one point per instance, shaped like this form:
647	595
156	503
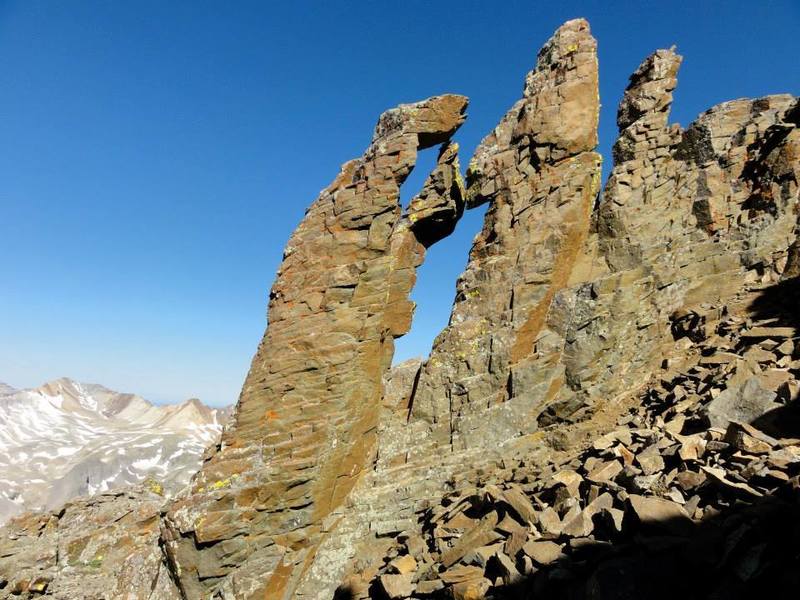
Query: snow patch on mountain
66	439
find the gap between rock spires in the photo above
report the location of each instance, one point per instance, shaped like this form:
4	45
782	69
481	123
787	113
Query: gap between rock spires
605	392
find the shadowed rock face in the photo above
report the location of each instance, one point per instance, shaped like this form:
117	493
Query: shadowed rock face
568	305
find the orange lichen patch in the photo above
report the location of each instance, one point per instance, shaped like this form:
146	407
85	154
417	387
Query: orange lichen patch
275	586
271	415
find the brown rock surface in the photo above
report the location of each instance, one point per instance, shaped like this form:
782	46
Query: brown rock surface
715	525
539	173
308	415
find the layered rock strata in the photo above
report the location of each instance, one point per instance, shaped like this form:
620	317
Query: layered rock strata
495	365
680	223
644	257
420	454
688	221
660	506
308	415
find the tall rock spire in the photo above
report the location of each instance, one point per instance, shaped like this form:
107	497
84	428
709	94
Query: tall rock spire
540	174
307	417
644	110
642	161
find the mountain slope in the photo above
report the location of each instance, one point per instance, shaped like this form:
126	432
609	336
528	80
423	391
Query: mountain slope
67	439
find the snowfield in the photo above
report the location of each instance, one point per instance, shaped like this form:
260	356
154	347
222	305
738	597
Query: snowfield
67	439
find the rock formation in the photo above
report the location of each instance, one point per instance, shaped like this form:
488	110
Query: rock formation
494	367
607	366
308	415
100	547
660	506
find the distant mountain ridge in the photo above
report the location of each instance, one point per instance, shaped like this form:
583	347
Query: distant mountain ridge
66	439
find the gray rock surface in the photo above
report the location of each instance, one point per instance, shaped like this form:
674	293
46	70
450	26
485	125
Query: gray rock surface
744	403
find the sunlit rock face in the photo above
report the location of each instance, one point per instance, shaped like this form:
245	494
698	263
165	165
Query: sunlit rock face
498	362
572	302
106	546
308	416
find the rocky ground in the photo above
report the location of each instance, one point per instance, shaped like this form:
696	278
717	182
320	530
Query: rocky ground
104	547
695	493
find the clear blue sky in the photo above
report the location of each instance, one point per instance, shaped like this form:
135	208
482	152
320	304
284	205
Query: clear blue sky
155	156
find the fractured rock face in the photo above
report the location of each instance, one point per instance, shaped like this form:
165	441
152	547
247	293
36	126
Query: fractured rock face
744	403
539	173
434	212
543	330
678	225
307	418
661	506
100	547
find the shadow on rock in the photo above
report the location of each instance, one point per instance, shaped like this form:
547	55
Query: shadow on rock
779	302
744	552
344	592
779	305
